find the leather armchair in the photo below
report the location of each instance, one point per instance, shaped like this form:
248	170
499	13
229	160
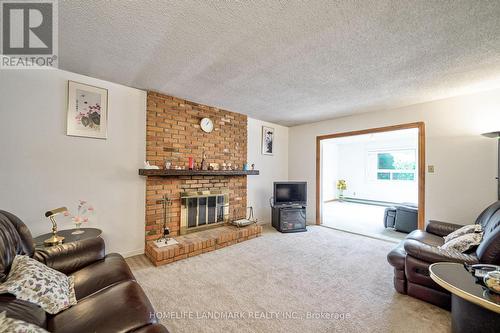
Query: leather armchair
402	217
413	256
406	218
69	258
109	298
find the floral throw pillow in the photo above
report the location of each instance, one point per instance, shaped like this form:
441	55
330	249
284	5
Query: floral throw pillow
32	281
464	242
466	229
10	325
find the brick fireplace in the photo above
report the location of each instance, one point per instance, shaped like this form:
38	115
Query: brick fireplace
174	135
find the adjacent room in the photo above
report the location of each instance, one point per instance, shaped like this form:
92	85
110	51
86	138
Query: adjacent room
249	166
367	179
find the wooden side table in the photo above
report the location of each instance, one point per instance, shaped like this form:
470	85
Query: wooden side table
68	236
473	307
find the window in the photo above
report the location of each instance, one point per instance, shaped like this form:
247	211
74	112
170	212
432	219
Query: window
392	165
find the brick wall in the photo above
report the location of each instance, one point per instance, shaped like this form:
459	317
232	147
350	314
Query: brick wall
173	133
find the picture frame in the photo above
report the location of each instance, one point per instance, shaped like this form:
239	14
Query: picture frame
267	140
87	114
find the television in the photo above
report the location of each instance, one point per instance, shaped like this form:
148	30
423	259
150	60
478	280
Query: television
290	193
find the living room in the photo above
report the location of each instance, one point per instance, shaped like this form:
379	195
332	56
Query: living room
162	166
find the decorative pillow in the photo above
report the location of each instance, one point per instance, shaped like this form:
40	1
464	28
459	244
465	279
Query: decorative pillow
466	229
464	242
10	325
32	281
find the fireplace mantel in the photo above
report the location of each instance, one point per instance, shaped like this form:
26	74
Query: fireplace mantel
178	173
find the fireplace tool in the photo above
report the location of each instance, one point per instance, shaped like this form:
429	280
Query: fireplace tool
165	240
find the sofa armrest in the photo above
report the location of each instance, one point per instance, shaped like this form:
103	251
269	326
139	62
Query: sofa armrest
433	254
70	257
442	229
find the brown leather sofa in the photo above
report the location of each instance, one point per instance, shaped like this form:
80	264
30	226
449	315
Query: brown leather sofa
412	257
109	298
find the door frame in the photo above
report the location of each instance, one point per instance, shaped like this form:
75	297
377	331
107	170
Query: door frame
421	163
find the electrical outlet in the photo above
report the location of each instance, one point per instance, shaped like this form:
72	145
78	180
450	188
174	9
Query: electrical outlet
430	168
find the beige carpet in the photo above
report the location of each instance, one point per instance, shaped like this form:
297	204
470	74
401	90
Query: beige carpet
276	282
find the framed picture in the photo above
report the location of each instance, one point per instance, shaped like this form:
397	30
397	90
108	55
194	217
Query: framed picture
267	140
87	111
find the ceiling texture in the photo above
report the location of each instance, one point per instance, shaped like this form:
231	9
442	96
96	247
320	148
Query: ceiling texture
288	62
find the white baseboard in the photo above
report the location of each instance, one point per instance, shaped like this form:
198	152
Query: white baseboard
310	222
132	253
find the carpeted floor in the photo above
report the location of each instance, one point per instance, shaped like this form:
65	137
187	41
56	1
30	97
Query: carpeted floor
323	280
360	219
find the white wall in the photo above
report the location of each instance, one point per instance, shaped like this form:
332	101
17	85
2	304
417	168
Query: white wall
348	160
42	168
329	170
465	162
272	168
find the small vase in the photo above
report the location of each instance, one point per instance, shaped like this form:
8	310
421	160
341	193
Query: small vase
78	231
341	195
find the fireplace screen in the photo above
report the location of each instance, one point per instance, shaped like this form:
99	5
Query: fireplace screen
203	209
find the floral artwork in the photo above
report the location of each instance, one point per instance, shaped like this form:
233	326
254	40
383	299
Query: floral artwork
87	110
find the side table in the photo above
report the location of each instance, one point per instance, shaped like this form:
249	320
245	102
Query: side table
68	236
473	307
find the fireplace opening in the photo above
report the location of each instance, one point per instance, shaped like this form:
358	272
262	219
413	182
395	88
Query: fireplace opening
203	209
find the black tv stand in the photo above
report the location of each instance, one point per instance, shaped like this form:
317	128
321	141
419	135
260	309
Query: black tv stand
289	218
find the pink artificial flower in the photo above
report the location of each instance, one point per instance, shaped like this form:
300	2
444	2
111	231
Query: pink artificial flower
86	219
91	209
66	213
76	219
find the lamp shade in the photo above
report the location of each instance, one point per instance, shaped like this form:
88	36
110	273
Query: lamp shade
492	134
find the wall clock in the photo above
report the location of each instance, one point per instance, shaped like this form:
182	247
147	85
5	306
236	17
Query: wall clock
207	125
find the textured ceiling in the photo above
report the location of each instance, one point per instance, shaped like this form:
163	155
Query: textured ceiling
288	62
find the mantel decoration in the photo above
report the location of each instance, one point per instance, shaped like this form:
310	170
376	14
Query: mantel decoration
267	140
87	111
341	186
82	216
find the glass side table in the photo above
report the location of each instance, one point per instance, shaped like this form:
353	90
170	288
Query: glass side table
473	307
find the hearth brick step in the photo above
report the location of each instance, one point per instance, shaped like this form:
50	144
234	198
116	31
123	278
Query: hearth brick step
191	245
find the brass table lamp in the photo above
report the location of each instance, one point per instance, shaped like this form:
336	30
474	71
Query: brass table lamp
54	239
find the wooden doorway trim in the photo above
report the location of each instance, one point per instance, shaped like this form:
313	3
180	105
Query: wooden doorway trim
421	163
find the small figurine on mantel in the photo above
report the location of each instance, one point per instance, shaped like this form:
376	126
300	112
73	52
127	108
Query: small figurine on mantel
253	166
204	165
224	166
149	166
